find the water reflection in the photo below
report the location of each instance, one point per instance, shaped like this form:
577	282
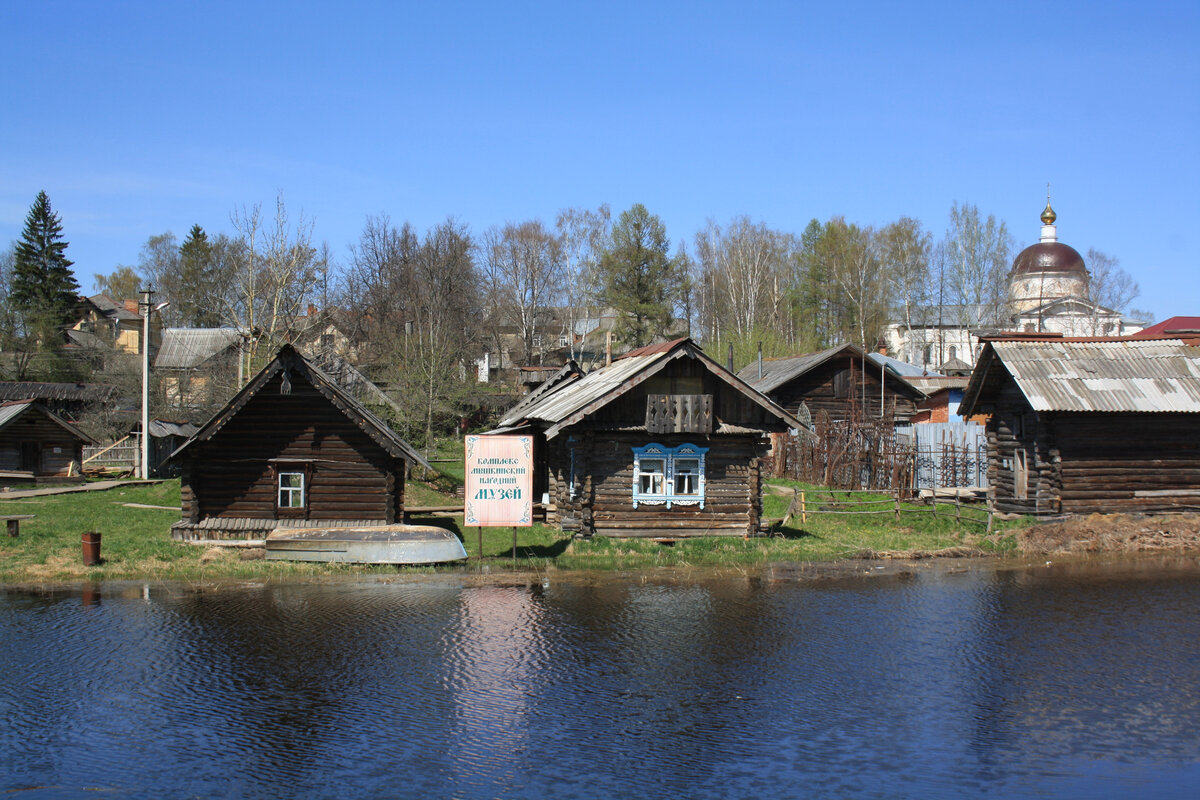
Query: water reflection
1047	681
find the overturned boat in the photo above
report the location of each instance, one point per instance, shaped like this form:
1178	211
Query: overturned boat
375	544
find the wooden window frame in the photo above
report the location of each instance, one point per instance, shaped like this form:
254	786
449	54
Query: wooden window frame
304	470
671	458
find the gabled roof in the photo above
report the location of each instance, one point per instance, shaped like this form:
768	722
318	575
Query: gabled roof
778	371
350	378
16	409
114	309
293	362
183	348
568	373
572	399
1091	375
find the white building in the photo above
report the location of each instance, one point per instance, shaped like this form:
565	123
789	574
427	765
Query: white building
1048	293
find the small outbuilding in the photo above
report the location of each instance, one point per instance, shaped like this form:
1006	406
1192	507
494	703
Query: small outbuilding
37	445
291	449
843	381
1090	425
664	442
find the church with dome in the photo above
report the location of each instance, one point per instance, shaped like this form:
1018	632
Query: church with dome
1048	292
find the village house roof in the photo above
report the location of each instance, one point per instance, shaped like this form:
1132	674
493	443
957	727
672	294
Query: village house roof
1175	326
184	348
70	392
290	360
778	371
14	409
116	309
572	399
1091	375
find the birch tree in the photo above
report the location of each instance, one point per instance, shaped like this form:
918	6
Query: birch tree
276	279
583	233
524	270
978	255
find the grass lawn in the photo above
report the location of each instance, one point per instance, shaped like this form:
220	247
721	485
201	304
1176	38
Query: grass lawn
136	544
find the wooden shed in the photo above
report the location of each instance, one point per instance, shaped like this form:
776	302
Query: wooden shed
664	442
1090	425
291	449
38	445
843	381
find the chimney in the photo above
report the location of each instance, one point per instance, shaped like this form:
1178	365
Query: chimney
312	310
759	361
607	348
730	364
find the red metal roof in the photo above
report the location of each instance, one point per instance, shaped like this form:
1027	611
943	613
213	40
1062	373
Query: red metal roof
1160	329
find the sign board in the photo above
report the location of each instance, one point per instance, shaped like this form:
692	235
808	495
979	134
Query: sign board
499	481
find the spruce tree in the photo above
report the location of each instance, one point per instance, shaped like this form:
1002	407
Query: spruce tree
196	279
43	285
638	278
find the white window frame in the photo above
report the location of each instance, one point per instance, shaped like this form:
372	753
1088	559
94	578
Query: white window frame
290	492
671	459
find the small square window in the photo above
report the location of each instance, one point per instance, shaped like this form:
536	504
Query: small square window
687	476
651	474
291	490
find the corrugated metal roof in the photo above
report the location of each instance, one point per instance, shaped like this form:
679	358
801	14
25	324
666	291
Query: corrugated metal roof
10	411
1109	376
183	348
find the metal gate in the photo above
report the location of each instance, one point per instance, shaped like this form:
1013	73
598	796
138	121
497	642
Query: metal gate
949	454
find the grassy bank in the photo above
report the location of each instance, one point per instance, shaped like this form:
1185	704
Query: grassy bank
136	545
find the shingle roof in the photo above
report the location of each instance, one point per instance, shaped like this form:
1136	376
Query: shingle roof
1125	375
36	390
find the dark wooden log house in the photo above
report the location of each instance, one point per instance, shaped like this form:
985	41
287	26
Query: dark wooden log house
292	449
37	445
842	381
1082	426
664	442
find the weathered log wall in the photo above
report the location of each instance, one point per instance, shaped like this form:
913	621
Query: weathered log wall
840	388
349	475
603	486
29	443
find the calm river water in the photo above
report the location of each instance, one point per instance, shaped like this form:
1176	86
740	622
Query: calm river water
1071	681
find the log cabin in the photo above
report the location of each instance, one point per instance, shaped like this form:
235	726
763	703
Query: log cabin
1082	426
843	381
292	449
662	443
37	445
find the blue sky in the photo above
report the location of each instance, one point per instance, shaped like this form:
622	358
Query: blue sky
140	118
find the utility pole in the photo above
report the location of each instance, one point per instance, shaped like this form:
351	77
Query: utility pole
146	309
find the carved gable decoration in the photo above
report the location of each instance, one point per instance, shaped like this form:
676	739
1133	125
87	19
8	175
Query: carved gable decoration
679	413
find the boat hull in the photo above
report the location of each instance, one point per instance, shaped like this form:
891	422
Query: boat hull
382	544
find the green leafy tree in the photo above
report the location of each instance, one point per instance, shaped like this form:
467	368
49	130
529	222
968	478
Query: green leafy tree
43	284
122	283
638	278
